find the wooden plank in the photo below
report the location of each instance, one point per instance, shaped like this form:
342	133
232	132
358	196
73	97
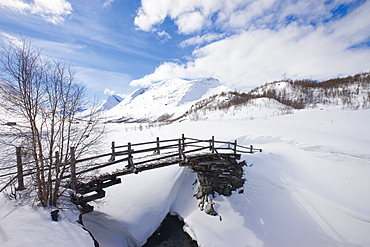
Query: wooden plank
94	157
84	199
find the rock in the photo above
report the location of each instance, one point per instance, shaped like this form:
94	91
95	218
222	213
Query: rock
215	174
54	215
209	209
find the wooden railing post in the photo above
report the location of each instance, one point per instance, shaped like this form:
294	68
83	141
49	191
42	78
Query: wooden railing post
73	168
235	144
19	168
212	146
129	150
251	148
158	148
113	157
183	142
181	153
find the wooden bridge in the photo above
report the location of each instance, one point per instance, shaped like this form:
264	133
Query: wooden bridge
200	155
196	153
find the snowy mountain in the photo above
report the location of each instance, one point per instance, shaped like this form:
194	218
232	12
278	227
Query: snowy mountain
109	103
282	97
179	99
164	100
351	92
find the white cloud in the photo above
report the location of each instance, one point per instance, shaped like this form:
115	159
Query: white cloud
165	71
16	5
107	3
354	28
51	10
190	16
199	40
164	36
241	18
10	39
150	14
109	92
252	57
190	22
194	15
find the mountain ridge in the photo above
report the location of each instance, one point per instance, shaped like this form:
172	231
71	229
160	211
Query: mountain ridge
351	92
109	103
179	99
163	100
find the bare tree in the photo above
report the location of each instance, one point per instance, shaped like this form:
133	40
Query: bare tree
44	94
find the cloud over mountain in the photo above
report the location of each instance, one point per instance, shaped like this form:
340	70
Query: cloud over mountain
264	40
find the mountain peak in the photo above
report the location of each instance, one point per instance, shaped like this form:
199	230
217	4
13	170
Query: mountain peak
168	97
110	102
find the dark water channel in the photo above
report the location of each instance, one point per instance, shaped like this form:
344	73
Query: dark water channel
170	233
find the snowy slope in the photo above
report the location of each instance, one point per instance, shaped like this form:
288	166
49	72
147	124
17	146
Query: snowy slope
109	103
349	93
27	226
309	187
261	108
163	100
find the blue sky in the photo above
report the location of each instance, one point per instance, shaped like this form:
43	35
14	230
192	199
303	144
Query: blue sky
119	45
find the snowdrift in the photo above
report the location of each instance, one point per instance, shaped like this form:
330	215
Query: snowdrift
27	226
308	188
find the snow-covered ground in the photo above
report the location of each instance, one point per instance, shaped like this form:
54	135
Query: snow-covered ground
29	226
309	187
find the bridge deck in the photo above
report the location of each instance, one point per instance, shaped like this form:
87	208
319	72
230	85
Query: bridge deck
92	190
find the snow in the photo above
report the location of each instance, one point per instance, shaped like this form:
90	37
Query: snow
27	226
260	108
309	187
109	103
143	200
166	98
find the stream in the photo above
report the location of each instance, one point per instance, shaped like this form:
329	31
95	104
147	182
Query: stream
170	233
109	232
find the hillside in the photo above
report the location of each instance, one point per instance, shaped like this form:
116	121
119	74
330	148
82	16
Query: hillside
352	92
109	103
163	100
178	99
282	97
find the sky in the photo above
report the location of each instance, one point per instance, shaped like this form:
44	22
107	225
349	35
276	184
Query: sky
120	45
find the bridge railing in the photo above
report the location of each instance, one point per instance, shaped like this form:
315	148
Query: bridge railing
136	155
